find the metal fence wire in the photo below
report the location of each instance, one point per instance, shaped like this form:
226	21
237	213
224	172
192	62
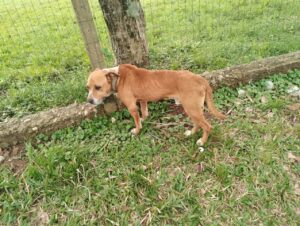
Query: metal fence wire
38	32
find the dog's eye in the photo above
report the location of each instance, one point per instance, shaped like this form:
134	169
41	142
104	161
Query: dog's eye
97	87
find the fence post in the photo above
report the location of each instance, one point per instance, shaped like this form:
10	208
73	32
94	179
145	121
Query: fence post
88	30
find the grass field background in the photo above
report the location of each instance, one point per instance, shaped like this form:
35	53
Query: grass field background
97	173
44	64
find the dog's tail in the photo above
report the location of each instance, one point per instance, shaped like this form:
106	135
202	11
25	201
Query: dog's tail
210	104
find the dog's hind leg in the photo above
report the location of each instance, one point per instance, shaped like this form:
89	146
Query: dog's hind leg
194	109
144	109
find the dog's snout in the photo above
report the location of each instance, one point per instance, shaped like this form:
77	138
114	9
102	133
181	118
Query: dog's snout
91	101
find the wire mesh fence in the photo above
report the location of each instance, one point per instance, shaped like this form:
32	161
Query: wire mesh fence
38	36
42	36
205	34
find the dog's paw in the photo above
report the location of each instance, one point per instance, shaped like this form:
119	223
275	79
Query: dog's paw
199	142
177	102
188	133
134	131
201	149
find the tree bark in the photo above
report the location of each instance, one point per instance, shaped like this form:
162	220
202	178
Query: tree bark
19	130
126	24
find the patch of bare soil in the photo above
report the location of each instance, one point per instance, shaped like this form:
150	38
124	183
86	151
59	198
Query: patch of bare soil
14	158
292	112
178	109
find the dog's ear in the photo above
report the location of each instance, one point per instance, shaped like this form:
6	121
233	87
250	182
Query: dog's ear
110	76
112	79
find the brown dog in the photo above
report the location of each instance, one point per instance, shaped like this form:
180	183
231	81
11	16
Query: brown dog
134	85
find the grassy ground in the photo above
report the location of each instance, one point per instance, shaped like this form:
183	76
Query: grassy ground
43	62
98	173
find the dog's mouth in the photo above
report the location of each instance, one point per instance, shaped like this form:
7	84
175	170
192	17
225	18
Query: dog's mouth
95	101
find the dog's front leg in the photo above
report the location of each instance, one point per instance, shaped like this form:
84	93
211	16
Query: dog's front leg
137	120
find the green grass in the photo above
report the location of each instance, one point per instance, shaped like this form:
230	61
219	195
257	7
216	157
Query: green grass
44	64
97	173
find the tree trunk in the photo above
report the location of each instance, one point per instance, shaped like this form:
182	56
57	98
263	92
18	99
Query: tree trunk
126	24
19	130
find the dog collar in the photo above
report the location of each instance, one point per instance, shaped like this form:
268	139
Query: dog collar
114	84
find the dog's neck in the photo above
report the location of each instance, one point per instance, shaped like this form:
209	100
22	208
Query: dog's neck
115	82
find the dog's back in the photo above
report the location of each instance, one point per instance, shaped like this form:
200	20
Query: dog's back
153	85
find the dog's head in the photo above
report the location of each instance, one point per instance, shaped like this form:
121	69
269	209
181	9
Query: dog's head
101	84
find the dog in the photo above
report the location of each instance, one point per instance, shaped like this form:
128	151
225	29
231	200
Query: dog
133	84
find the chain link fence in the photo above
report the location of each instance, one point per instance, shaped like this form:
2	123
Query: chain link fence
42	36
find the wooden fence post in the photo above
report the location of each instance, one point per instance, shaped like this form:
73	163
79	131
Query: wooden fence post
88	30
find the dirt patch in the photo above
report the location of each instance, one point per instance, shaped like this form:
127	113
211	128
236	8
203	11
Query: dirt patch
292	113
14	158
178	109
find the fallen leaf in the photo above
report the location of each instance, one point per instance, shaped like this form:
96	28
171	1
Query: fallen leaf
270	115
249	98
293	158
258	120
43	217
249	109
294	107
200	167
263	100
297	189
238	102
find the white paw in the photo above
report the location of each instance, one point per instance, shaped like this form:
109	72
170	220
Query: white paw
177	102
201	149
134	131
188	133
199	142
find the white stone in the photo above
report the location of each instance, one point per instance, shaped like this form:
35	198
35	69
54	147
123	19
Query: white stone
269	85
292	89
241	92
